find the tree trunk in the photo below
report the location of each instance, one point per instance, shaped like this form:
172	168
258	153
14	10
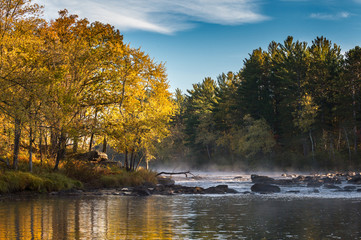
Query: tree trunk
348	144
126	160
91	142
132	161
92	129
75	144
46	145
140	160
16	143
208	152
53	143
41	147
61	150
105	145
312	146
31	149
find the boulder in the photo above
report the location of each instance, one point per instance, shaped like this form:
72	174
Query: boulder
261	179
94	156
220	189
265	188
354	179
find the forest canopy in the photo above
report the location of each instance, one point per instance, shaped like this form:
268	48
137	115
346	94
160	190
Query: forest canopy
293	105
69	82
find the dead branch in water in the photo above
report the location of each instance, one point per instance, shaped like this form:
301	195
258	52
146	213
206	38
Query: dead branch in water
176	173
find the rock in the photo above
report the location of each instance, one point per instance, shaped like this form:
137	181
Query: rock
331	186
94	156
149	185
284	181
217	189
314	184
265	188
349	188
220	189
331	180
141	191
293	191
354	179
261	179
166	181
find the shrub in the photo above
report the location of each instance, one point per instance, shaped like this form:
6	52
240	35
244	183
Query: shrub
128	179
81	170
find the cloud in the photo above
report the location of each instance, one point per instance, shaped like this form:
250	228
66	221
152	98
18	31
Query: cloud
325	16
161	16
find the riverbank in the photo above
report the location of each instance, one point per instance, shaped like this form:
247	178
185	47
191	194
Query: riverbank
79	177
146	183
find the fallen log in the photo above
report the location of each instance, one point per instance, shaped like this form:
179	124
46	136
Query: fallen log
176	173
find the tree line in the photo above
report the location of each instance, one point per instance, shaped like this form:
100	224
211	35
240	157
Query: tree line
292	105
71	82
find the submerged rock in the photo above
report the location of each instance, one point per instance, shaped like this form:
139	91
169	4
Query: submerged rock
265	188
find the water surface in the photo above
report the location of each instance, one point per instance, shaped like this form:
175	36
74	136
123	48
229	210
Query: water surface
234	216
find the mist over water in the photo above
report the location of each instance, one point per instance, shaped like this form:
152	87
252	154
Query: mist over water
306	215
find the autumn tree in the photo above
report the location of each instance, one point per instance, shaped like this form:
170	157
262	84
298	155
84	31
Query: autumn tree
20	48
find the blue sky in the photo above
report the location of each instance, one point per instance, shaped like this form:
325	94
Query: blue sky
203	38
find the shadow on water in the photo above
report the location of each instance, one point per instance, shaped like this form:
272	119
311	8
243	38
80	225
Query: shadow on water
180	217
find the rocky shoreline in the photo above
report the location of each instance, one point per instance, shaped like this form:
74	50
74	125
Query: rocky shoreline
338	182
265	184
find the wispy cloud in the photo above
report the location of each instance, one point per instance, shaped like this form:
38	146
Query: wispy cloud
326	16
162	16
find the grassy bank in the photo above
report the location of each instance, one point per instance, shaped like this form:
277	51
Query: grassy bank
72	174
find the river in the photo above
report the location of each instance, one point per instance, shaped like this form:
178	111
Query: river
305	215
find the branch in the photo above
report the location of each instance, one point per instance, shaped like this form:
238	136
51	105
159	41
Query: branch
176	173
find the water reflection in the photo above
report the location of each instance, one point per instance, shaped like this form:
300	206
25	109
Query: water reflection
180	217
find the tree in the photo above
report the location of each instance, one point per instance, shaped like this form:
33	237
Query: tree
19	64
353	87
200	125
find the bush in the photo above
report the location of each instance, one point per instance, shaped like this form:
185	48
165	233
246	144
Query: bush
128	179
81	170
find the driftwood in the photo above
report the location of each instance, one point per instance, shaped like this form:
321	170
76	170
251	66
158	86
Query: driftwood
176	173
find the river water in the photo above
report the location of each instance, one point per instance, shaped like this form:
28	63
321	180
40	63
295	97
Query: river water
305	215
